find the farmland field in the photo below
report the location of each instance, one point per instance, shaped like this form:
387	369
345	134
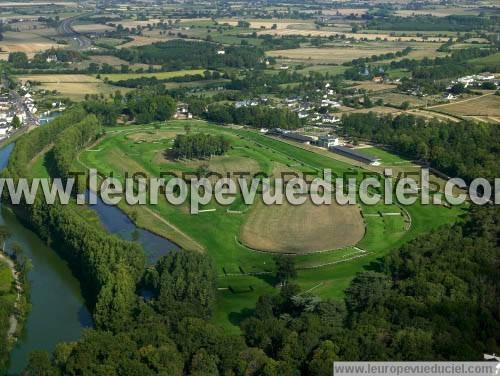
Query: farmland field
25	42
142	41
92	28
328	55
158	75
486	105
367	36
74	86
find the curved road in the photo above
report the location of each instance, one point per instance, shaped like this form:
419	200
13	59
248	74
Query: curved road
65	29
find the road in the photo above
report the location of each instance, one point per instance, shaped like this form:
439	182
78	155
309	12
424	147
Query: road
65	29
31	120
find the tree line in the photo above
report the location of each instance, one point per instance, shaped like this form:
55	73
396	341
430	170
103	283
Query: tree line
254	116
434	23
107	266
180	54
143	105
443	287
463	149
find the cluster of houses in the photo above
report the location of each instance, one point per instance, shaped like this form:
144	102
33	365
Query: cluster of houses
9	109
471	81
308	110
475	79
251	102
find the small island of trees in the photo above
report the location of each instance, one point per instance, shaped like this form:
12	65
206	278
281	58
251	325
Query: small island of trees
199	145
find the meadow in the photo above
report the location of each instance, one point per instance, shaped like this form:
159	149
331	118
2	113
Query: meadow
243	273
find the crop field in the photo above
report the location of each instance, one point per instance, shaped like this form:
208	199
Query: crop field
24	42
258	24
143	41
373	86
158	75
486	105
331	69
74	86
364	36
328	55
134	23
107	59
439	12
396	99
376	109
58	78
92	28
221	232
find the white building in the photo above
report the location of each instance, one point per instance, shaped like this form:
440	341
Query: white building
331	119
329	102
328	141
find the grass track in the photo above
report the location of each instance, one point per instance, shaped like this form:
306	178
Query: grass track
245	275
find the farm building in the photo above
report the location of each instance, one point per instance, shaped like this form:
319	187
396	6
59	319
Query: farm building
353	154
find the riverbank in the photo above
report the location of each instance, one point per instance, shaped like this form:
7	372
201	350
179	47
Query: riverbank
13	302
14	317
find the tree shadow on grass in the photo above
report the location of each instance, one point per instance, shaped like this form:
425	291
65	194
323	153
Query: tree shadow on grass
270	279
236	318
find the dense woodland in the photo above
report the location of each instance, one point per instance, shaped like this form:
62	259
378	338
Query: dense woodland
427	22
467	150
141	106
179	54
198	145
255	116
107	266
443	286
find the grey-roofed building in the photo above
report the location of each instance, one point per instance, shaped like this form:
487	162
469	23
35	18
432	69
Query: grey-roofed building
297	137
356	155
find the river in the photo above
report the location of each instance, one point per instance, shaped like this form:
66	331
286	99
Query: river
58	312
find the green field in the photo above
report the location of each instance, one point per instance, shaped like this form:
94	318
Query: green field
386	157
489	62
244	275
